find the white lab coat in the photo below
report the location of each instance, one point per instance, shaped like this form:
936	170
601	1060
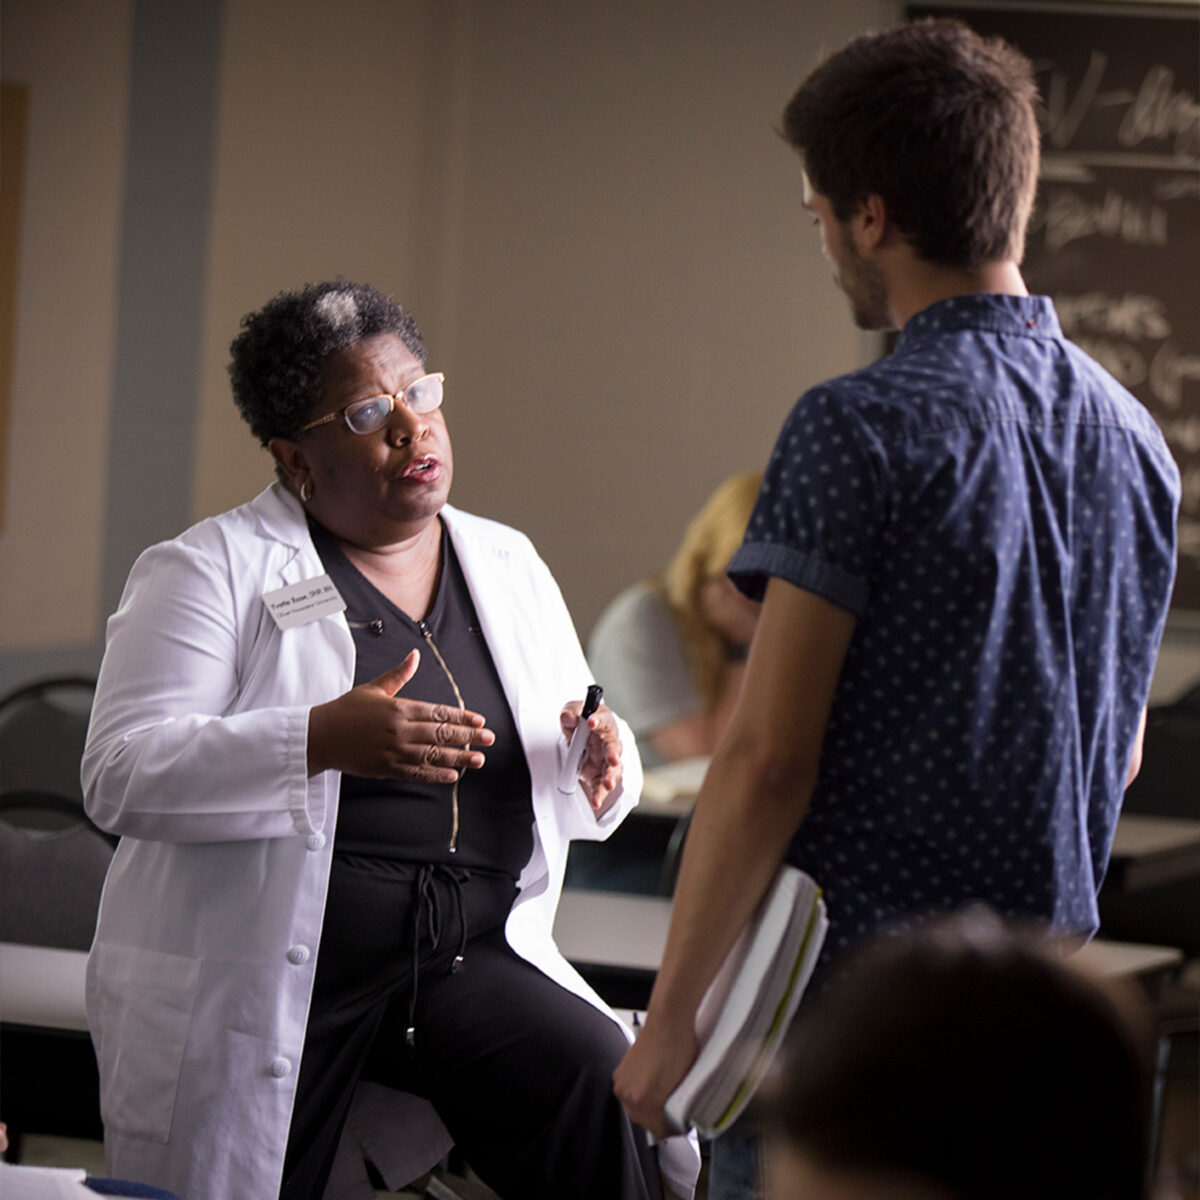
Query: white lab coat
201	972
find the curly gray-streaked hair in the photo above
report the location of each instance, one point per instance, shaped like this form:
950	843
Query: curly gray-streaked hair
277	356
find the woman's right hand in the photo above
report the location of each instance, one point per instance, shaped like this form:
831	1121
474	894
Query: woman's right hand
370	731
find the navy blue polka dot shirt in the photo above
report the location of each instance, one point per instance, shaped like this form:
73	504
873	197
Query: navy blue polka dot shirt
999	515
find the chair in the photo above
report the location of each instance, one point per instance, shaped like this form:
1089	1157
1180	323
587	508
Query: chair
673	857
641	856
43	727
50	877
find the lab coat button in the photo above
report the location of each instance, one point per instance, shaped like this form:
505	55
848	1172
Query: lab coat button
281	1067
298	955
316	841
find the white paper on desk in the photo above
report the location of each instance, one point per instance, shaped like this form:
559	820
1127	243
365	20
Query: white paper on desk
661	785
42	1183
749	1005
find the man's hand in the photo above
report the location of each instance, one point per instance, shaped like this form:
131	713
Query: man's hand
651	1070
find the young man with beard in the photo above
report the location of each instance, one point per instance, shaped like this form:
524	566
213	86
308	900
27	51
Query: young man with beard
965	554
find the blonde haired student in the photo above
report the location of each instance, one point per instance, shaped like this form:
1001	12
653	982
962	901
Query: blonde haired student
671	650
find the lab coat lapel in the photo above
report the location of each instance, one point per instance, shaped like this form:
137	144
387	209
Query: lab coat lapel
283	520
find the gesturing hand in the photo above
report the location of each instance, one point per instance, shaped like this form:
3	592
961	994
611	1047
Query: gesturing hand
372	732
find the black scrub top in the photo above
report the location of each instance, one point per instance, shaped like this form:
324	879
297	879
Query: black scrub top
400	820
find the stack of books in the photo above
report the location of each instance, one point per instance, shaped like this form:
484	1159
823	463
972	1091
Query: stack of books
750	1004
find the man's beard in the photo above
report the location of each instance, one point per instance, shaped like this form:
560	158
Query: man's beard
864	287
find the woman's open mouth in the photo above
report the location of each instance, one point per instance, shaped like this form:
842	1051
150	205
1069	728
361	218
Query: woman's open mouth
425	467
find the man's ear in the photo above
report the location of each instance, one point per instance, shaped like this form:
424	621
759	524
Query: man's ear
290	460
872	221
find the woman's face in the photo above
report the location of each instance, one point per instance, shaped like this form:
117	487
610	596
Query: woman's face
374	489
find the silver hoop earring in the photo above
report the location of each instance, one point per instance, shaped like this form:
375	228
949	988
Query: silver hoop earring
306	491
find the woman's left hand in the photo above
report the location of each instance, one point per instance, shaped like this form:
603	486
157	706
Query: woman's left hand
600	772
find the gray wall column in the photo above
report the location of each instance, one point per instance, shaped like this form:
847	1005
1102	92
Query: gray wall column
164	248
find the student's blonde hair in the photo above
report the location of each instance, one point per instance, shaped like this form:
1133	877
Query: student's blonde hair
708	544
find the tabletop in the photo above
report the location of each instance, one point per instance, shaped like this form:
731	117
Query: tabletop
42	986
1148	851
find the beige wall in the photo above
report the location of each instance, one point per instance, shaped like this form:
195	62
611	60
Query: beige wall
629	294
74	57
588	210
585	205
318	140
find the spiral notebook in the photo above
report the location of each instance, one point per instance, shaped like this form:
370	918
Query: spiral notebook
750	1004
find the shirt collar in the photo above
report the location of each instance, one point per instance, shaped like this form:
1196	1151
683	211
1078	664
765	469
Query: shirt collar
1022	316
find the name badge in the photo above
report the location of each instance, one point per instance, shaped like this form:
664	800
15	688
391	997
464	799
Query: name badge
308	600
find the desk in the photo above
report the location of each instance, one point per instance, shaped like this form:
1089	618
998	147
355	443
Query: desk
670	790
620	938
42	986
613	929
1148	851
1128	960
615	940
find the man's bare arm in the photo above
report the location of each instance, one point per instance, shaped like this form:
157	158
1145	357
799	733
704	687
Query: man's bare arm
753	798
1139	741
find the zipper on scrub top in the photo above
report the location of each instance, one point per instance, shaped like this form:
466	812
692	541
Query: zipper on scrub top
461	704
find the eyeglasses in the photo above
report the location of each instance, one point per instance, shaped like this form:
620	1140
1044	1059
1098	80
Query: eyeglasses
422	396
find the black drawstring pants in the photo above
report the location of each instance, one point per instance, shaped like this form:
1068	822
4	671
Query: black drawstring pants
518	1068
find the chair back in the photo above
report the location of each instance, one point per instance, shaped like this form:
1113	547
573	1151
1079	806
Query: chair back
50	879
43	727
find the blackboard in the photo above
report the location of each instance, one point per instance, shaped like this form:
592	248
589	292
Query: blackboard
1115	235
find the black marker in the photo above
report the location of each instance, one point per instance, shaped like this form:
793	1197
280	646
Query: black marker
568	777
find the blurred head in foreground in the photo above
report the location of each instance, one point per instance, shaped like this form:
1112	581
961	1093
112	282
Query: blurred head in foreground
963	1062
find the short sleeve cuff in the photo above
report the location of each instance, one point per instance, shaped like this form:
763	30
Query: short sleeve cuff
755	562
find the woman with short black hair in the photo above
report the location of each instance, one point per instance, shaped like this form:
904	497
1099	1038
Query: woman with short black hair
328	727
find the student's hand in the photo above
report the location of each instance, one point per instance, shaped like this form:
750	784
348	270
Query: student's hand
652	1069
372	732
601	770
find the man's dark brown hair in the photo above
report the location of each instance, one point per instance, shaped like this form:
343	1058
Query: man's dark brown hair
938	121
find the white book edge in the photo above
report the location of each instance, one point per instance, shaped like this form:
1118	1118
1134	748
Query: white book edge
749	1005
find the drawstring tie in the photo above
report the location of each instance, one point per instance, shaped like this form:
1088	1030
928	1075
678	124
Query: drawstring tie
429	906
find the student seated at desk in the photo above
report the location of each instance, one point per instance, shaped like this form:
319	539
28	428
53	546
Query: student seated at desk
670	651
963	1062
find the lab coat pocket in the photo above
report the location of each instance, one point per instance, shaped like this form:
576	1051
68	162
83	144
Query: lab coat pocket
140	1008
